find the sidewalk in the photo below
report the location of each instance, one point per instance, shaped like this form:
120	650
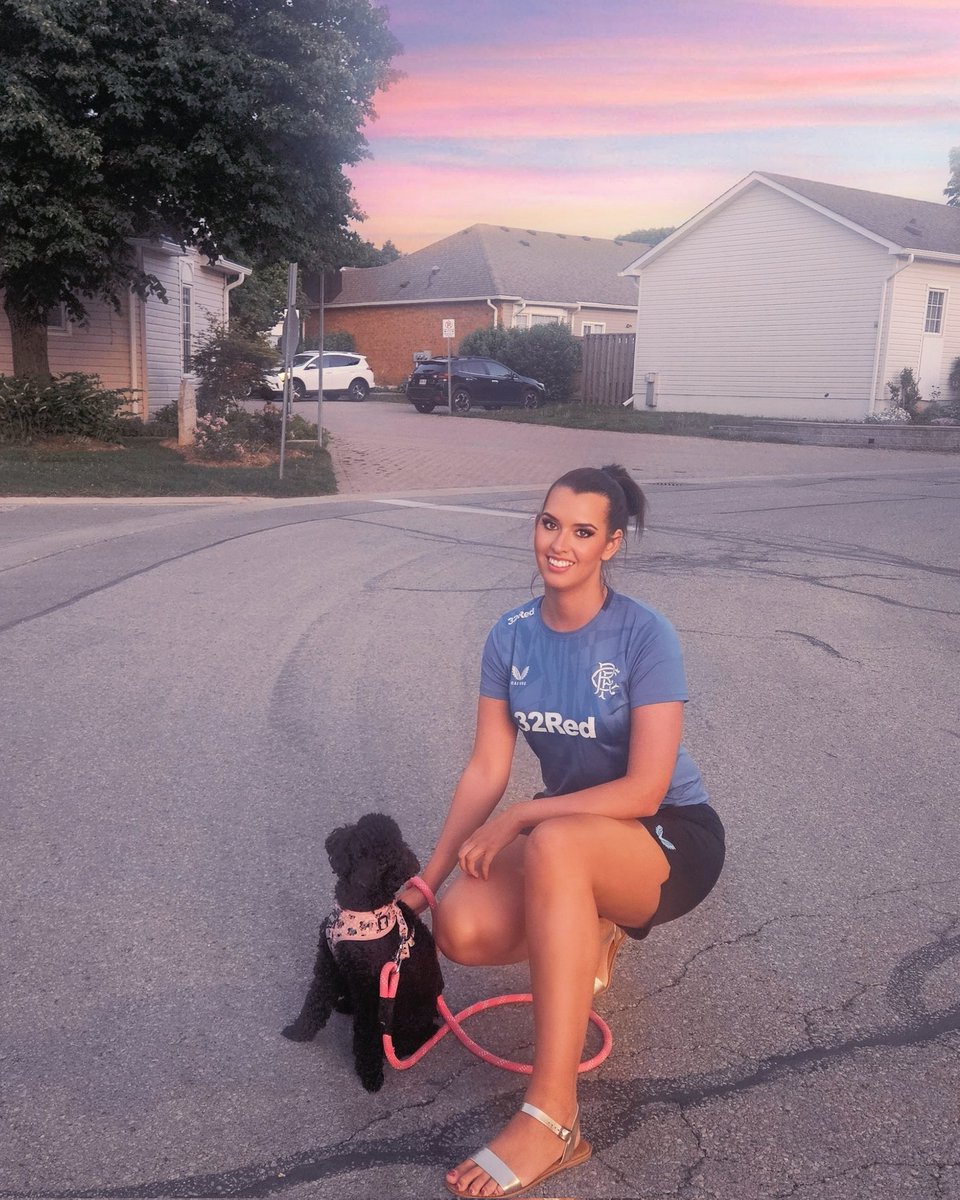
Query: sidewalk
383	447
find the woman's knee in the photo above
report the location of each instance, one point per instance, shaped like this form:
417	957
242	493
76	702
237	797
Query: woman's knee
556	844
461	934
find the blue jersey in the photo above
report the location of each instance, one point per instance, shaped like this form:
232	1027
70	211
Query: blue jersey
571	694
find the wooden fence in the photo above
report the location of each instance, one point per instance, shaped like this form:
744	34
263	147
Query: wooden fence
606	376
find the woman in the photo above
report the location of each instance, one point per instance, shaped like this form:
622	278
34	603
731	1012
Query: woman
622	838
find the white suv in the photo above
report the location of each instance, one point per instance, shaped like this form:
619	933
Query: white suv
343	375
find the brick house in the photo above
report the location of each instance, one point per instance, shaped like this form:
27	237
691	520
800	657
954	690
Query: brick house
483	276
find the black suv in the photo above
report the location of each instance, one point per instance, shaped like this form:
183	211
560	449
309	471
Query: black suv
481	381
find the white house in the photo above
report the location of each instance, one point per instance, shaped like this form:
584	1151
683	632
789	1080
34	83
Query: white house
795	299
148	344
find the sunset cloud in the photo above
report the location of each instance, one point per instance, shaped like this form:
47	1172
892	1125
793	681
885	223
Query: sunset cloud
564	111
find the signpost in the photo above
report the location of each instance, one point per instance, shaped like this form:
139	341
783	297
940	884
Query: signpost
449	332
291	339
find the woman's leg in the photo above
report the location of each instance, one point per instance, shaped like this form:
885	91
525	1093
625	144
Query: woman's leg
575	870
480	921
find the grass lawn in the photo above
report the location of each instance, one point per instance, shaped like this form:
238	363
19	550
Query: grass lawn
144	467
619	419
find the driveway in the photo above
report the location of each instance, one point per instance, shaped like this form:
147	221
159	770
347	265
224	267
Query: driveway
195	694
381	446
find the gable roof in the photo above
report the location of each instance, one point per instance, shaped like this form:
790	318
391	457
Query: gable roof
901	224
496	262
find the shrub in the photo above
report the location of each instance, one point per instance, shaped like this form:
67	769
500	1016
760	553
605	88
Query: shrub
340	339
549	353
893	414
237	433
217	439
231	366
166	421
905	394
71	405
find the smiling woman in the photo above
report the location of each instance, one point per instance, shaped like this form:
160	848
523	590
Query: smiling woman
622	838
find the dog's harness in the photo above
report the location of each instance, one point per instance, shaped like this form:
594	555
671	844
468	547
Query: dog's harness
345	925
390	979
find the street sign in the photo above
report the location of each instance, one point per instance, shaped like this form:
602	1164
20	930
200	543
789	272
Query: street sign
291	335
449	328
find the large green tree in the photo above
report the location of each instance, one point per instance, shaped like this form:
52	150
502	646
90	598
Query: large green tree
223	124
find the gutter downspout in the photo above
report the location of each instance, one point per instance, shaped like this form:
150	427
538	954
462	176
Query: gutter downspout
495	313
875	383
518	311
241	278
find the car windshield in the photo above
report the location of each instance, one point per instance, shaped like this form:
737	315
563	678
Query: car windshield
301	360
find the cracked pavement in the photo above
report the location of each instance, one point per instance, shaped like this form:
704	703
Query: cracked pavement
195	694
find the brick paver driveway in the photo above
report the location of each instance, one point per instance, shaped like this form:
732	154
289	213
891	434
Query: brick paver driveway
381	446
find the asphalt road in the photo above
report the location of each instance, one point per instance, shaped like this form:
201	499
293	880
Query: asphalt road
193	695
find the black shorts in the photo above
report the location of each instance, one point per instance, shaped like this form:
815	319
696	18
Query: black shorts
691	836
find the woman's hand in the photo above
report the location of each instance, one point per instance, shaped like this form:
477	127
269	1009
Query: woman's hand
413	898
484	844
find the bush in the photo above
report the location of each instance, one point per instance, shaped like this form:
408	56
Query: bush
905	394
340	339
237	433
231	366
549	353
166	421
71	405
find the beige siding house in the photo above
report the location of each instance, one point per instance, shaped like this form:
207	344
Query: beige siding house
795	299
144	346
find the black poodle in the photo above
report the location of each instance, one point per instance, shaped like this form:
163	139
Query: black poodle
366	929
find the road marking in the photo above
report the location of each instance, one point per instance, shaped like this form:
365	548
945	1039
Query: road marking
485	512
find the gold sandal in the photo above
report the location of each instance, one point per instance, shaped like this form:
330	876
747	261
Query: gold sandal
576	1150
607	954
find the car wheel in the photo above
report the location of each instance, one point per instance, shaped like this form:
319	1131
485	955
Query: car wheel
461	400
358	390
299	389
532	399
423	406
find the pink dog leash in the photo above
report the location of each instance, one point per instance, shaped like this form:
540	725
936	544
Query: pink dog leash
390	979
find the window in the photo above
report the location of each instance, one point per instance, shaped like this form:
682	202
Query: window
594	327
933	321
57	320
186	310
540	315
498	371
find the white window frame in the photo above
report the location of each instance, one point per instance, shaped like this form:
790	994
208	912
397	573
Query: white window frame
590	327
64	326
935	311
186	326
551	316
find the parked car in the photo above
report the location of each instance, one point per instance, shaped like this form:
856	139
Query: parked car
343	375
474	381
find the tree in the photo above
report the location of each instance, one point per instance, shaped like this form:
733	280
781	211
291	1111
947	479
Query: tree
650	236
261	301
549	353
952	190
368	255
217	123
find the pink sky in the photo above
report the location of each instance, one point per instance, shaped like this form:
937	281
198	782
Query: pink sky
604	118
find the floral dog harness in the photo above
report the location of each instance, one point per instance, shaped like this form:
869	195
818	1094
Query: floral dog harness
345	925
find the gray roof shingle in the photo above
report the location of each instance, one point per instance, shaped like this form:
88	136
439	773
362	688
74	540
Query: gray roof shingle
911	224
495	261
